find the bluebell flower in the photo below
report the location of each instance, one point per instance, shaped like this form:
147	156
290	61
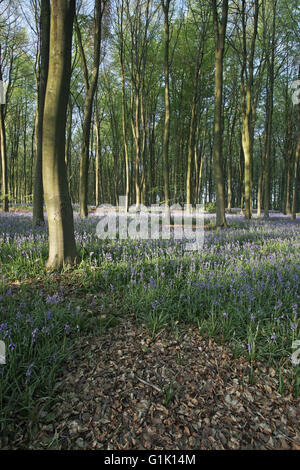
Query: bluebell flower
28	373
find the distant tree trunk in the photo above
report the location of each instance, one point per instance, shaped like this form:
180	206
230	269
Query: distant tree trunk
90	88
166	6
62	248
229	164
98	169
247	108
296	163
38	197
25	151
269	118
287	168
241	174
3	151
192	130
124	131
3	162
219	30
260	181
69	143
229	184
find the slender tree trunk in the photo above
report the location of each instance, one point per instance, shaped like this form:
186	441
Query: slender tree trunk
296	163
260	182
269	118
124	111
137	149
166	7
3	151
125	144
98	169
229	165
229	183
247	105
62	248
295	188
38	196
3	161
192	131
69	143
90	88
287	205
246	143
25	152
220	30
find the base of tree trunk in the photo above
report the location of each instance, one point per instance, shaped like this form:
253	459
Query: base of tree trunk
58	263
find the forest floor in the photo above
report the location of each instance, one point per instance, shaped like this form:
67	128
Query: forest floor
125	390
126	354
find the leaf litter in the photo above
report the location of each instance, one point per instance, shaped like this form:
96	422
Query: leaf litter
126	390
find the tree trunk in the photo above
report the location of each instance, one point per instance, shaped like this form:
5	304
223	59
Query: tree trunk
220	30
247	105
269	118
296	163
38	196
166	6
246	143
260	181
3	161
90	88
98	169
124	131
3	152
62	248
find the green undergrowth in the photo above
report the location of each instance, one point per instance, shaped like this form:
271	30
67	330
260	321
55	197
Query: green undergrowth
242	290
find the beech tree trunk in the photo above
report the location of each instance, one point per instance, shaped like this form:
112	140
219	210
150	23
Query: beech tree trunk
3	152
38	196
247	103
90	89
220	30
62	248
269	118
166	7
296	163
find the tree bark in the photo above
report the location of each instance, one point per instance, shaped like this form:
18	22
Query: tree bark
219	30
38	196
166	6
269	118
247	105
62	248
3	152
90	88
296	163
